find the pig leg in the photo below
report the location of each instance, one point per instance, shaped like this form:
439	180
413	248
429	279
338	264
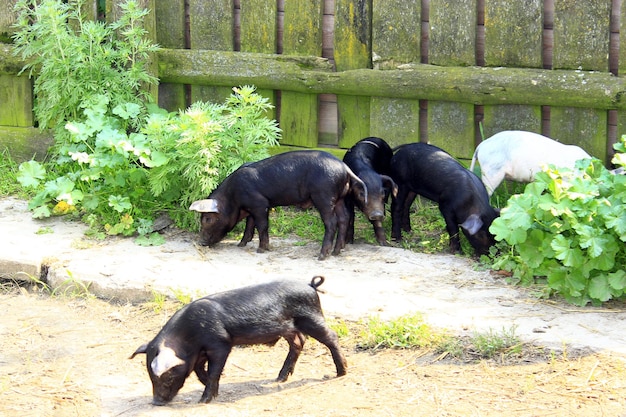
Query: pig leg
260	220
296	343
248	234
201	371
330	229
397	213
492	180
452	228
406	212
342	215
350	230
379	232
216	361
319	331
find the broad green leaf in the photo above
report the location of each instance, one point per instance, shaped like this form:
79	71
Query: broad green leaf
30	174
90	202
599	288
120	203
153	239
41	212
127	110
617	280
572	257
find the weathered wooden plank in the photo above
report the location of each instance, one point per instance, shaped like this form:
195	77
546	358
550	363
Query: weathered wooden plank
25	143
352	50
511	117
581	34
462	84
396	28
258	26
211	27
170	20
586	128
352	34
7	19
389	120
302	35
513	34
16	101
451	127
452	32
258	34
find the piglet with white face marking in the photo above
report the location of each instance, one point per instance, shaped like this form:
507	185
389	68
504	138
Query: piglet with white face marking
199	337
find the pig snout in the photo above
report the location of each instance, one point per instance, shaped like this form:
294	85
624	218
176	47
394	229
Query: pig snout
376	215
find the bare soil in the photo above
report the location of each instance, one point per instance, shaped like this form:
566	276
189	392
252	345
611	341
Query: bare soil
68	356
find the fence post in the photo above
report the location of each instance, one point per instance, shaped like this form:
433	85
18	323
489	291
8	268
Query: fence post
352	51
211	27
513	38
258	34
302	35
170	21
396	27
581	41
452	42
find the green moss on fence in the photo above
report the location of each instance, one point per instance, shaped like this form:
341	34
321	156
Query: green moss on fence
396	29
513	34
581	34
25	143
452	32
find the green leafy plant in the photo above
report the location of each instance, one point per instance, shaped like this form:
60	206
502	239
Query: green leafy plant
103	169
569	229
489	344
8	176
206	143
405	332
76	59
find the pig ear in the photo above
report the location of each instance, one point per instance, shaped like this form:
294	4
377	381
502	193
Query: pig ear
472	224
205	206
390	184
141	349
164	361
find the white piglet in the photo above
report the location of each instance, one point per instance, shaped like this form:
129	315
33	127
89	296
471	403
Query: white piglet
518	155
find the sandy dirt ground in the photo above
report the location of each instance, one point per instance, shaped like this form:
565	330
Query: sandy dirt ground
63	356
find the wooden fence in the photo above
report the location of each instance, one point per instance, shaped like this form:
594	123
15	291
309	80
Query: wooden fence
444	71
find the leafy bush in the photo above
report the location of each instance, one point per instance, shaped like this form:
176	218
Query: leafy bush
77	60
123	180
119	160
568	227
204	144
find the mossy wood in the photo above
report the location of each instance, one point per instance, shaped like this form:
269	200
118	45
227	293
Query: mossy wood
302	35
451	127
513	34
396	30
258	34
581	34
25	143
477	85
210	27
352	51
16	101
452	39
583	127
170	19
